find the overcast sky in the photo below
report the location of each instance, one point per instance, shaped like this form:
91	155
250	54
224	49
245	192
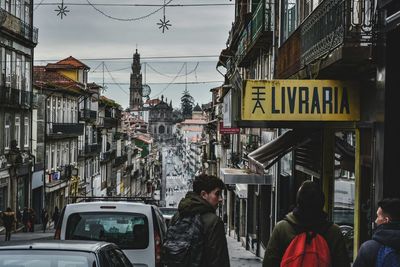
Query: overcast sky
85	34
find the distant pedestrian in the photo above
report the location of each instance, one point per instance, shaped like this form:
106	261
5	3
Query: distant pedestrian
32	218
25	219
45	219
307	221
8	217
55	216
386	238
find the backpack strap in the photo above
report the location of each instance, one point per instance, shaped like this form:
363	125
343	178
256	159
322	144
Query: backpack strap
301	229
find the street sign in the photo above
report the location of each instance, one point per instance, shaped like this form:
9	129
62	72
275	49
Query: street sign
223	130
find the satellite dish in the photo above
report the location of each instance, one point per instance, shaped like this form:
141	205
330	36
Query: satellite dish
146	90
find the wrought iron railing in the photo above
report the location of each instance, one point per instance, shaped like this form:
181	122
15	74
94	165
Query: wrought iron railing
334	23
86	114
120	160
63	129
260	23
15	97
107	156
16	25
107	122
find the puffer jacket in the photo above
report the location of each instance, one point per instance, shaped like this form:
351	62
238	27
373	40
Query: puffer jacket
387	234
215	252
284	233
8	219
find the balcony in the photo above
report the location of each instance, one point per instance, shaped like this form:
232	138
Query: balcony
107	156
120	160
338	33
256	34
62	130
17	28
15	98
87	115
89	150
107	122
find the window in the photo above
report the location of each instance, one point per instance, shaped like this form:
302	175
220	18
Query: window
18	72
17	130
127	230
53	109
18	8
289	20
7	131
27	14
59	118
28	75
26	132
8	5
8	69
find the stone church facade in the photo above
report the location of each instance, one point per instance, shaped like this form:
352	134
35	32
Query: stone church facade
161	120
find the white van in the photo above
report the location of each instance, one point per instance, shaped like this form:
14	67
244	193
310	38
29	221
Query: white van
137	228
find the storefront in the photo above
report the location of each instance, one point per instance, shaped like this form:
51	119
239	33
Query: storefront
319	139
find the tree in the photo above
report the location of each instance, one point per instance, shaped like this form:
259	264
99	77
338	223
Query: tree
187	103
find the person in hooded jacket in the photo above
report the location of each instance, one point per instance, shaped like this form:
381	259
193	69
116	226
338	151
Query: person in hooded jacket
204	199
387	233
8	217
307	214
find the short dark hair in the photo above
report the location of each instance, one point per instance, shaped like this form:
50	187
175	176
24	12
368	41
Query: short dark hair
391	206
310	196
207	183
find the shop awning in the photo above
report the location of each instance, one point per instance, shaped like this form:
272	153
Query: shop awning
240	176
268	154
241	190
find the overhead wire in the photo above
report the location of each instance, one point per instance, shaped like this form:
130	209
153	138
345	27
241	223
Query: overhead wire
142	58
128	19
169	76
169	84
116	83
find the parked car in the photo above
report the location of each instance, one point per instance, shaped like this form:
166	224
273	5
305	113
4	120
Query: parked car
40	253
138	229
168	213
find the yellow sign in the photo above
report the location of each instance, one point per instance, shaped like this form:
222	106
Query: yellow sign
300	100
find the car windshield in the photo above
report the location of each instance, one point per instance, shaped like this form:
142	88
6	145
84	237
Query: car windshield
127	230
46	258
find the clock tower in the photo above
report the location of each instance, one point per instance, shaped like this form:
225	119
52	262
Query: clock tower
135	89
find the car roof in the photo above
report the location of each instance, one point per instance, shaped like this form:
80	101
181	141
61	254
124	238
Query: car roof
108	206
70	245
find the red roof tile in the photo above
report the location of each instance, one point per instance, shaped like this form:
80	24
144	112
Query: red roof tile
68	63
54	80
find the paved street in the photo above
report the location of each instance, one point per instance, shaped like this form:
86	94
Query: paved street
38	234
239	256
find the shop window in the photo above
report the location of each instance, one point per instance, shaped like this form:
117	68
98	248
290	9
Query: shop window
344	186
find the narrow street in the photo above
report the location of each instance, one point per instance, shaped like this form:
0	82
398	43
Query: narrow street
239	256
21	236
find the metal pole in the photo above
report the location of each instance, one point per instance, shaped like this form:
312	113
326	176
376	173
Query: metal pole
44	152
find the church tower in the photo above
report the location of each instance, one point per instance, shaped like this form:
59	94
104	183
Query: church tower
135	89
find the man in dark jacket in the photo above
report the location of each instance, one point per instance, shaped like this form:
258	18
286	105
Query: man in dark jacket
9	222
309	215
387	233
204	200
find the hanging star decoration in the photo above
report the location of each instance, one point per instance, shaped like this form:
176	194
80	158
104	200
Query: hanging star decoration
62	10
164	23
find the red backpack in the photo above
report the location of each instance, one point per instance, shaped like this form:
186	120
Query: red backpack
307	249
